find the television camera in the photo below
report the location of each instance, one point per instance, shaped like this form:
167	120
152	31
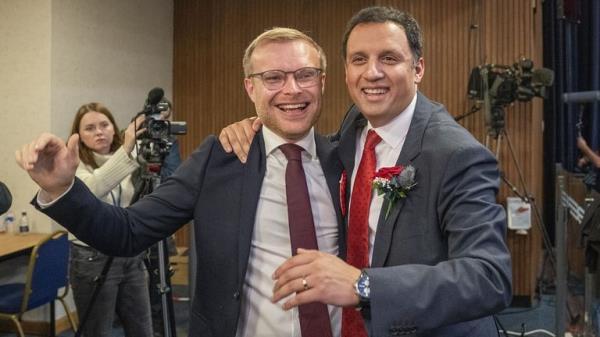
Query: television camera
497	86
155	143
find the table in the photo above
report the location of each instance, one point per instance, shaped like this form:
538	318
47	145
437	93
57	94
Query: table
12	245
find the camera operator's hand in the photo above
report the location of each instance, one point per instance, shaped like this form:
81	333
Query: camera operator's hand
132	132
592	156
581	143
50	163
238	136
166	115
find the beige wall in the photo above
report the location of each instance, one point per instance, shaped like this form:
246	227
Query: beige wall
58	54
111	51
24	89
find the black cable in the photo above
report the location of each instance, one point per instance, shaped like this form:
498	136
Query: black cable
473	110
499	326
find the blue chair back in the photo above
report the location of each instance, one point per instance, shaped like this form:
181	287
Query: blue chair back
47	272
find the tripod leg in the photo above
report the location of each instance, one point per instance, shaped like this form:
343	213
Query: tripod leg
498	144
166	291
99	282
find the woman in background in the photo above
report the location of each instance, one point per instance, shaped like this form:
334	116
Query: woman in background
589	157
106	166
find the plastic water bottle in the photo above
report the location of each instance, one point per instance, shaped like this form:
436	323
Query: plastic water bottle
23	224
7	224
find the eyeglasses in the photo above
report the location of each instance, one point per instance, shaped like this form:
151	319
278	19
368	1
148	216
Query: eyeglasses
275	79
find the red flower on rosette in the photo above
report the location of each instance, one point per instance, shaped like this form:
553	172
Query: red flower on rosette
389	172
394	183
343	186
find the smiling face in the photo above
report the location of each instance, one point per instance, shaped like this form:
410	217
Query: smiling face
96	132
381	73
290	111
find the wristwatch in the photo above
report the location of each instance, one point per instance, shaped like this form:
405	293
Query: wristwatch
362	288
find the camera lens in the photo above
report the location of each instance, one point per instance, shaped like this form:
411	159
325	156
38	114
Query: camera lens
158	129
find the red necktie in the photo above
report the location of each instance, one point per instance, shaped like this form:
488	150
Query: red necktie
358	227
314	317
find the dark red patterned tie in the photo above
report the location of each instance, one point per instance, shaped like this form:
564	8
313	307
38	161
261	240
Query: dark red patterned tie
358	227
314	317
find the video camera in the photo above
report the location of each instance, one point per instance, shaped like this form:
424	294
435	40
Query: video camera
505	84
157	140
156	126
497	86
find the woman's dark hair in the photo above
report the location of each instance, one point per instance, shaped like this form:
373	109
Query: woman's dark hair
86	154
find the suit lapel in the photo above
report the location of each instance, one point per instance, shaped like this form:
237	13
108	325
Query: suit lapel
410	150
254	173
332	169
347	145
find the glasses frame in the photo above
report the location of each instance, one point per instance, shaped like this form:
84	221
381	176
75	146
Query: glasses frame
294	72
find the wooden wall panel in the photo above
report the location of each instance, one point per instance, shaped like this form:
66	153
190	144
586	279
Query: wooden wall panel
210	37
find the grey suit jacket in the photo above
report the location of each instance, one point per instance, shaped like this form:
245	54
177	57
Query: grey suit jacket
440	262
216	191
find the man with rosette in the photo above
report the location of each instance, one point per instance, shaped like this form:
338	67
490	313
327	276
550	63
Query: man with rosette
426	253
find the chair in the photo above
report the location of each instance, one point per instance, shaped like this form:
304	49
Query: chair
46	274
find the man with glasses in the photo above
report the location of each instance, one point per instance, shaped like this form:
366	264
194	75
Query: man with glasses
249	218
426	247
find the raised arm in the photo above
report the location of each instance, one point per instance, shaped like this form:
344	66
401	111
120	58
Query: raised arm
592	156
50	163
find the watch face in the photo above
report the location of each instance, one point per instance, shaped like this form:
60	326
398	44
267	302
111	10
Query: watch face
363	286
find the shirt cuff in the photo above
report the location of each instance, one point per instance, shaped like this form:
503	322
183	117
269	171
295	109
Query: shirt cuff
45	203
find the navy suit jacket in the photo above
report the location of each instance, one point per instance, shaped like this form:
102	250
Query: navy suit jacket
220	194
440	263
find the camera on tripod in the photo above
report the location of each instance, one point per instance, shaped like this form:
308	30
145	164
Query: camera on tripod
497	86
156	141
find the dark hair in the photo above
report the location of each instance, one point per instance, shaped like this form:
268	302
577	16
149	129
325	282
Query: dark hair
381	14
85	153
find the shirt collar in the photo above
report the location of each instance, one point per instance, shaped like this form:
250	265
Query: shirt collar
394	132
273	141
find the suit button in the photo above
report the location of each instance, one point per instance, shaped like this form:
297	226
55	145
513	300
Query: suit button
236	295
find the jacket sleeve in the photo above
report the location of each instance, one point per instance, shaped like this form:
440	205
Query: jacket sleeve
472	277
128	231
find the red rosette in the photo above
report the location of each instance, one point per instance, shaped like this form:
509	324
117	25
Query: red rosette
389	172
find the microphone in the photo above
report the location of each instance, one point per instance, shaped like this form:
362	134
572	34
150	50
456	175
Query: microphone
581	97
5	198
155	95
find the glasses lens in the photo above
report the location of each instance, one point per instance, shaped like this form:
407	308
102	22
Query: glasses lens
273	79
306	77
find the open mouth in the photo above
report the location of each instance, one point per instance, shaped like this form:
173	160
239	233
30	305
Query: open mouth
375	91
293	107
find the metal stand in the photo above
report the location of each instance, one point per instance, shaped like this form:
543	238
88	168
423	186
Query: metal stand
151	180
561	257
500	134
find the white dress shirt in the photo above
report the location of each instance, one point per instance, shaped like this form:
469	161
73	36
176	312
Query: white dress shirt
271	244
387	151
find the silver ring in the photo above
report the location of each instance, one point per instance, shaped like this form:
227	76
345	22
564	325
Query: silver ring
304	283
